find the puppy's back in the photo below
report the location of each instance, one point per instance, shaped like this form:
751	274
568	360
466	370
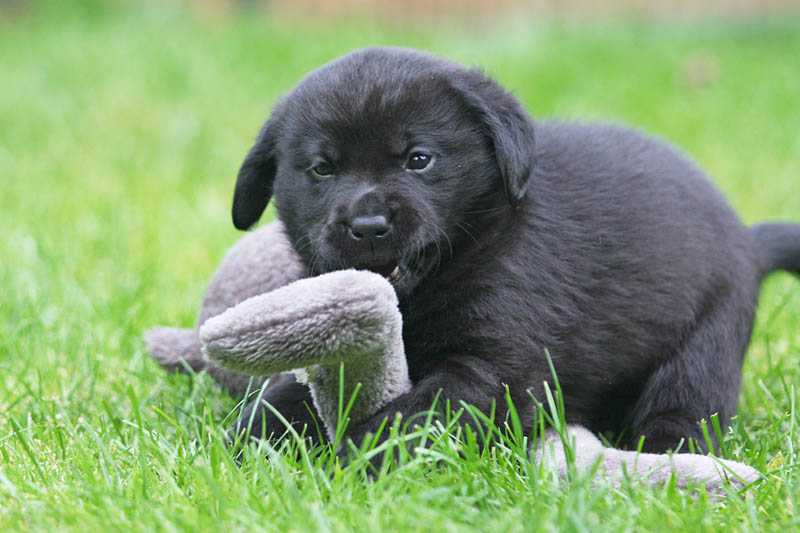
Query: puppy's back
635	217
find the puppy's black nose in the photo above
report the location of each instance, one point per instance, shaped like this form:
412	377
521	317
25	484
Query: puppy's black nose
369	228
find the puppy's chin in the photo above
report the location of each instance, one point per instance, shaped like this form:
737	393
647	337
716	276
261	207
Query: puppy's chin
405	269
397	273
409	271
403	274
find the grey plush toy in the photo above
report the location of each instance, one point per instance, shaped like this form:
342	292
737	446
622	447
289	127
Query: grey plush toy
261	316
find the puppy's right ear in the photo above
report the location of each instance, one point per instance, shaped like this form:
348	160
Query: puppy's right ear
256	176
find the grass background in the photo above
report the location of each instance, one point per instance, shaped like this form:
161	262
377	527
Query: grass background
122	126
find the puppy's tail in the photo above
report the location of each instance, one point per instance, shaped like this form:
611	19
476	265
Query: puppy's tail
779	244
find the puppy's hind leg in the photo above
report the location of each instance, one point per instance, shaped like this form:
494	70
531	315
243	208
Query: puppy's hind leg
700	380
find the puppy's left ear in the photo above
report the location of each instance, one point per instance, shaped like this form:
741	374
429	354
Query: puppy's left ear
256	176
506	124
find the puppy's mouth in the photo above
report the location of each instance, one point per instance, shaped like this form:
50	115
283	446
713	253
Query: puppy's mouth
389	270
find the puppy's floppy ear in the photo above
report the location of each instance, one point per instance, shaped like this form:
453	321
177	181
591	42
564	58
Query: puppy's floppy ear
508	126
256	176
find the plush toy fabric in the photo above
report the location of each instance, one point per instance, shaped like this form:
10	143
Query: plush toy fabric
314	325
262	316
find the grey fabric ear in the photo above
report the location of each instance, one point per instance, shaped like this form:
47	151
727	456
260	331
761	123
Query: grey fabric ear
347	317
261	261
255	179
508	126
180	350
652	468
175	349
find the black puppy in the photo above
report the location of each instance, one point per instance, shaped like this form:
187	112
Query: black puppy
506	237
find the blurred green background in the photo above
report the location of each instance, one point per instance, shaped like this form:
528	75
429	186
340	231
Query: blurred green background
122	126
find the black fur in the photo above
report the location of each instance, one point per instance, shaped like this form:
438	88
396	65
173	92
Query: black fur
604	246
295	404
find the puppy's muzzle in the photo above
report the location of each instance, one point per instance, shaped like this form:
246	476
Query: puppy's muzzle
370	236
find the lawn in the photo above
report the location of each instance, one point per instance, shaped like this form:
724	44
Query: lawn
122	126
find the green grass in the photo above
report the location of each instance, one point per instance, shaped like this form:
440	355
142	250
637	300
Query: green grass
121	130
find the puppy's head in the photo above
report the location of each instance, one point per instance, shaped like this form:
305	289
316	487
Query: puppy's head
379	160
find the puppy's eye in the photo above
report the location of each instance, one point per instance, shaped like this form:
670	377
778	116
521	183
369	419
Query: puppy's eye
418	161
323	170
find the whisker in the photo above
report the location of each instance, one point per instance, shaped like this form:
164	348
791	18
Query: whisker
415	252
465	230
438	250
313	263
490	210
299	249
